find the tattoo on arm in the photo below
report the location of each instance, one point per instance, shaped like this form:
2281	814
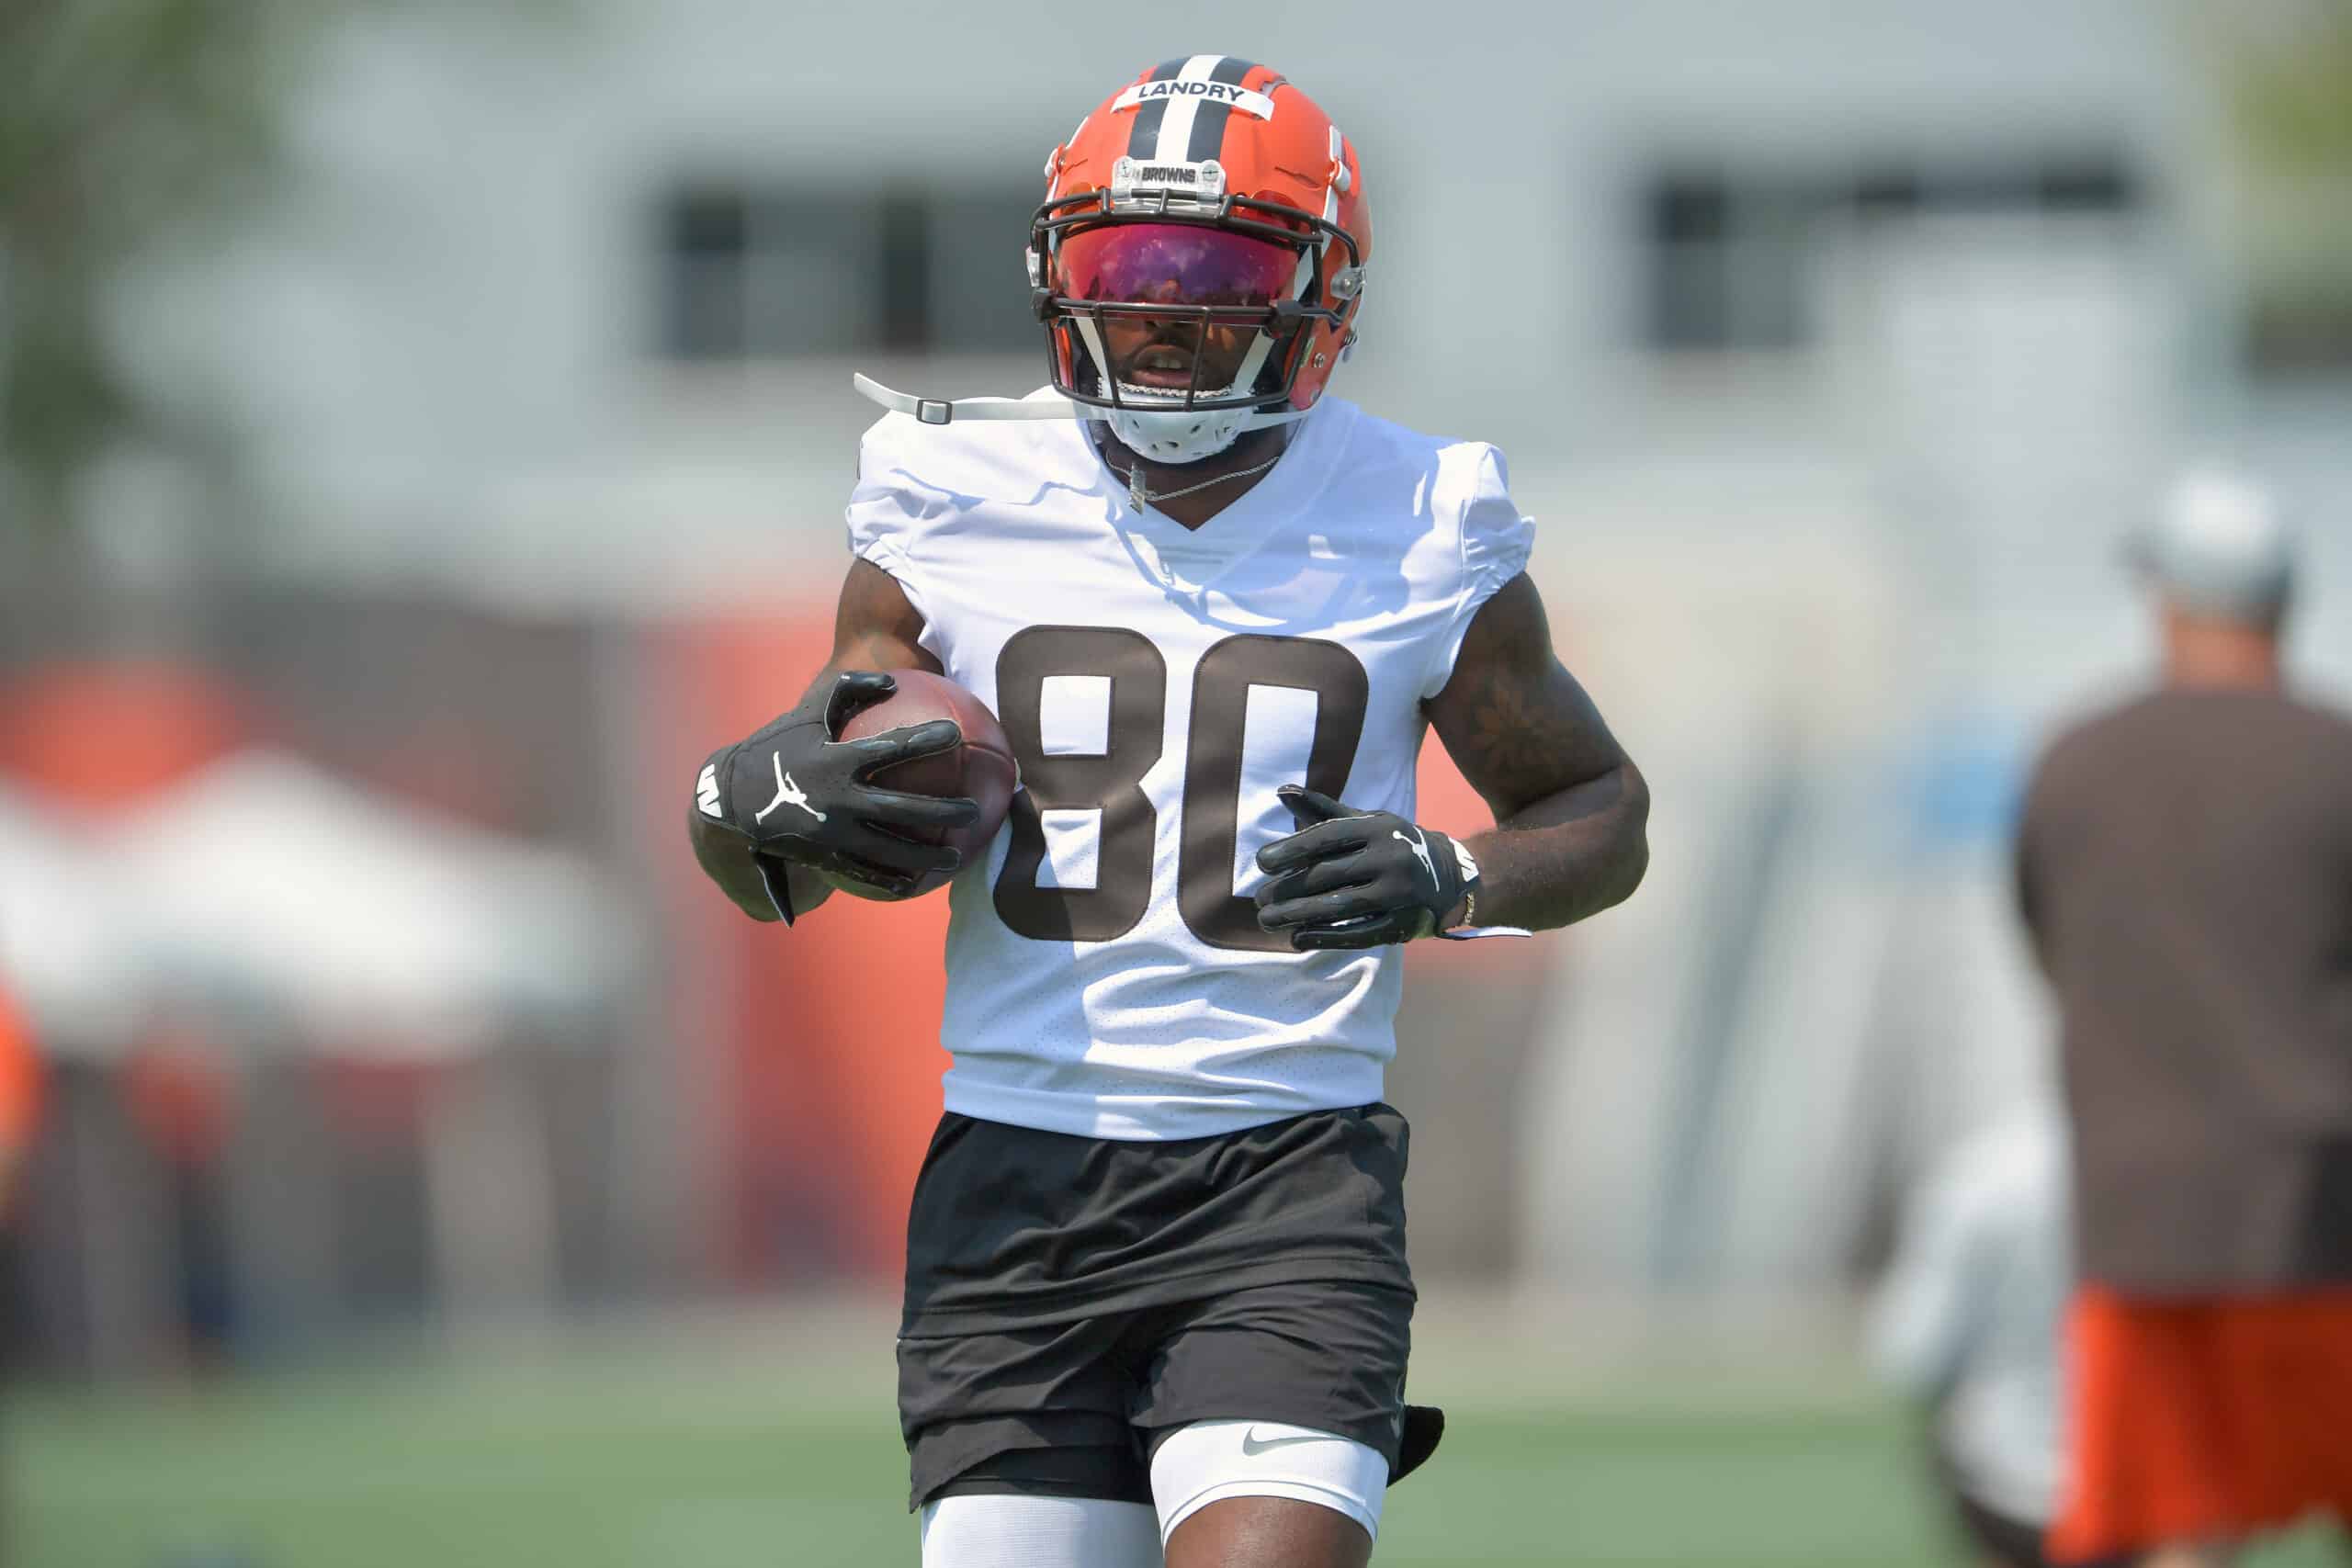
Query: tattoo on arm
1522	738
1570	808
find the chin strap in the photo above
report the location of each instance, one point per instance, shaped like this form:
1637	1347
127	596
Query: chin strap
942	411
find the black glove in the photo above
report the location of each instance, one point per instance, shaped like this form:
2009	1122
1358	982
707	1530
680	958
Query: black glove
1357	879
794	792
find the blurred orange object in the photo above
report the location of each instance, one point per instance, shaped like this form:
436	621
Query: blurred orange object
102	734
830	1054
20	1093
2203	1420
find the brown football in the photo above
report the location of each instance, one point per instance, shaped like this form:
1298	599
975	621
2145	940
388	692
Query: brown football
982	767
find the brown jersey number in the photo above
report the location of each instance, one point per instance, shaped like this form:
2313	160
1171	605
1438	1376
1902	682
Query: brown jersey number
1111	782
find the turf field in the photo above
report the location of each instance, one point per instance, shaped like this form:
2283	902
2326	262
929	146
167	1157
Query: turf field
722	1451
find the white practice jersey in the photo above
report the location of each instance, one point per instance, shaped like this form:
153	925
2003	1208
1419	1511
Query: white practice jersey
1106	974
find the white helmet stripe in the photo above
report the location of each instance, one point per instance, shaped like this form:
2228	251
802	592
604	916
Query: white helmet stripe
1095	349
1304	275
1331	191
1176	121
1247	377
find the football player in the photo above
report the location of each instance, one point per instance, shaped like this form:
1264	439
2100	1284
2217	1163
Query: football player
1156	1296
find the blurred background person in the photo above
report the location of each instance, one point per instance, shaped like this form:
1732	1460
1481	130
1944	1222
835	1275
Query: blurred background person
2184	869
1967	1323
21	1082
20	1094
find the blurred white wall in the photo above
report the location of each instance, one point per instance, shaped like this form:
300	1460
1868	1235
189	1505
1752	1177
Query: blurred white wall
444	344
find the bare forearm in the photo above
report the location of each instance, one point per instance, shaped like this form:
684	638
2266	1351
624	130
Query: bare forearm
1567	856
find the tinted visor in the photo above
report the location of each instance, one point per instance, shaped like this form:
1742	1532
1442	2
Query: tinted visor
1175	263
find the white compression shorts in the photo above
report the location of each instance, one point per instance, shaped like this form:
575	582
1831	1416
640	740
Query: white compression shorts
1015	1530
1208	1462
1204	1462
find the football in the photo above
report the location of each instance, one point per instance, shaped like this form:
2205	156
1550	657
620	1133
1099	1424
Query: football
982	767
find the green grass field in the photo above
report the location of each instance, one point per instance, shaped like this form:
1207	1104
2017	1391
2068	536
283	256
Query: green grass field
711	1454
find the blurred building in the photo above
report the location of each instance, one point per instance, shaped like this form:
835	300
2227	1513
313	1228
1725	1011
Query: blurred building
557	274
1833	343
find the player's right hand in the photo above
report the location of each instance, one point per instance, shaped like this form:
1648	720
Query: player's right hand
792	792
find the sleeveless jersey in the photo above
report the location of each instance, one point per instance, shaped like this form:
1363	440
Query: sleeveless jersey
1106	974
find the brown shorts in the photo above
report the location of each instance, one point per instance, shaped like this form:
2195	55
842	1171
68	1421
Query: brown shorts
2203	1420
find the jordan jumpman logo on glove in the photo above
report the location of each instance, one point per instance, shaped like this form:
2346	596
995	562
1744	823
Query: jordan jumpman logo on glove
841	821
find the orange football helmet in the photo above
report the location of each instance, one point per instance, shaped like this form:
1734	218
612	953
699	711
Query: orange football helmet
1200	256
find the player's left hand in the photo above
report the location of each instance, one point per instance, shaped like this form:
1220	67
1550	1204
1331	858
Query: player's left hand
1358	878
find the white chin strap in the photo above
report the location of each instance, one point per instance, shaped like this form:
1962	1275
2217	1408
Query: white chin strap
1196	434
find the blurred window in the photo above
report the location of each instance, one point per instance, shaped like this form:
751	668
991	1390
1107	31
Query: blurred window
1727	254
980	284
771	273
1727	262
706	243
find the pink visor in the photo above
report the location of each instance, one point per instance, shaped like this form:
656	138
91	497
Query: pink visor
1175	263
